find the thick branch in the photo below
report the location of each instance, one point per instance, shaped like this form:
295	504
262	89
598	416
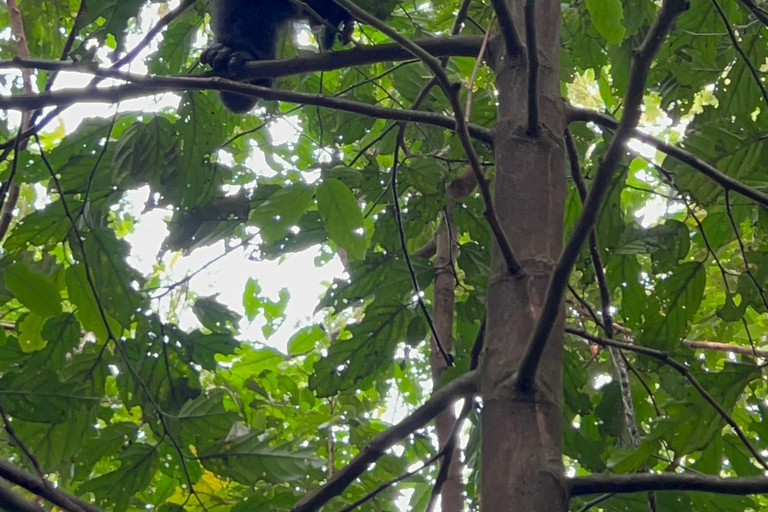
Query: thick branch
464	386
639	482
147	86
696	163
49	493
633	99
12	502
453	46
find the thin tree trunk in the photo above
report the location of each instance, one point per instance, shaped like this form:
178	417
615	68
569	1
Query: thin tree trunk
442	315
522	468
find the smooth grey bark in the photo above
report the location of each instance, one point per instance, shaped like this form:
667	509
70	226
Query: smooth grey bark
522	468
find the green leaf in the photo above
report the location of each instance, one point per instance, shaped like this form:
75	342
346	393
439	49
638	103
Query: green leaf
282	210
206	419
138	464
606	18
372	343
203	348
88	309
33	290
30	328
251	301
41	397
215	316
342	216
251	459
306	339
114	281
145	152
54	444
62	335
679	297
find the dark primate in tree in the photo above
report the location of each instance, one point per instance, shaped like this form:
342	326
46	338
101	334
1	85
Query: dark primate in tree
249	30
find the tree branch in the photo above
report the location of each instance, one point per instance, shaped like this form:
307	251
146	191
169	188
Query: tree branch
697	164
638	482
633	100
146	40
532	50
737	46
726	347
452	46
12	502
512	42
49	493
756	10
464	386
147	86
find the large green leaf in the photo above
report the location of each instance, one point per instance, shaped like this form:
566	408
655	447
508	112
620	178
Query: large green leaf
33	290
342	216
606	18
371	345
250	459
678	297
137	468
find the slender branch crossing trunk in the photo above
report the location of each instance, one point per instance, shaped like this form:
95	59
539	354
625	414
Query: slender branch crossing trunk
522	468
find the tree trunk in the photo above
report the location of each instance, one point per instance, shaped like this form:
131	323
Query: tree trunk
522	468
442	314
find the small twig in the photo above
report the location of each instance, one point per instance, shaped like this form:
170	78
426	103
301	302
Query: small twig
449	450
617	357
588	505
759	13
726	347
478	63
411	270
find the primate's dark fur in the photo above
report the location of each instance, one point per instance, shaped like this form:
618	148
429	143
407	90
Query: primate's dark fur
249	29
